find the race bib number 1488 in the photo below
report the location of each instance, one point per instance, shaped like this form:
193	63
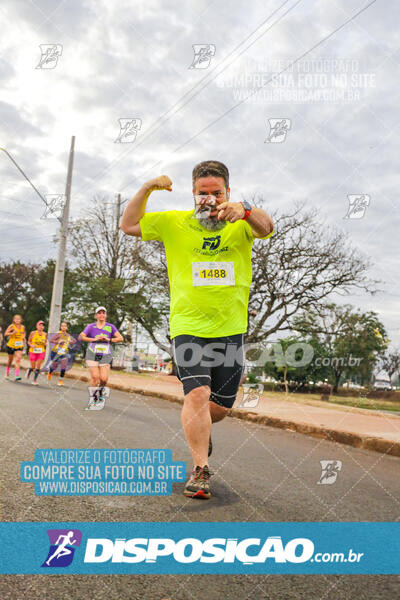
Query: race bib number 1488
213	273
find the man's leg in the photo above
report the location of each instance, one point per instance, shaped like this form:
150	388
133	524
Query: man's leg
196	422
217	412
196	416
225	380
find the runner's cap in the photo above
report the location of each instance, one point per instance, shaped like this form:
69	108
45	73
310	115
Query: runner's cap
99	308
39	323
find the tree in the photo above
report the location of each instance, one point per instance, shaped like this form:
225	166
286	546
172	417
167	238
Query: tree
15	278
106	264
354	340
151	280
26	289
391	363
282	364
297	269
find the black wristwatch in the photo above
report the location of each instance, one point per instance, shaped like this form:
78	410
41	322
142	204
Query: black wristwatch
247	209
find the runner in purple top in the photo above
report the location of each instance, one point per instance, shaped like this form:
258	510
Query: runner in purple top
98	355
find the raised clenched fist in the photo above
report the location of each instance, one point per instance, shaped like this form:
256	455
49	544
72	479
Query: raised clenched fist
161	183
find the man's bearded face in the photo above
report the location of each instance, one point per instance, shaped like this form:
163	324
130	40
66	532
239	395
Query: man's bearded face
208	193
206	213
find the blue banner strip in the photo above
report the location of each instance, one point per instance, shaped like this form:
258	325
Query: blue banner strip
182	548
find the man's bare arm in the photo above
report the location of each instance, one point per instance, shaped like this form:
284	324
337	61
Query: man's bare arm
137	206
260	222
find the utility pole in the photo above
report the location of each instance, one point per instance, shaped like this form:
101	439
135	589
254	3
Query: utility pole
118	216
135	351
133	274
58	282
116	236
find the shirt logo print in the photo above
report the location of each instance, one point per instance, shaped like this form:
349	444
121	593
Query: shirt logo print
211	243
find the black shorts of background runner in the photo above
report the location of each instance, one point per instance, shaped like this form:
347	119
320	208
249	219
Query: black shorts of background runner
216	362
13	350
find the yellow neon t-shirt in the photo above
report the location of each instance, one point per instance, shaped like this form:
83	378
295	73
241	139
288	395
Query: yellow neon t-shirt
209	272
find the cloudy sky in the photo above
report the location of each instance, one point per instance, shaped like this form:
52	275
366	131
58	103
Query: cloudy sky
135	60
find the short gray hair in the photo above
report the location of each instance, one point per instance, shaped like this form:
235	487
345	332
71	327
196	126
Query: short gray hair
210	168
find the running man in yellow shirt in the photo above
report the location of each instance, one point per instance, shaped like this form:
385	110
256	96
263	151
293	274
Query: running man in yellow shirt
208	251
15	345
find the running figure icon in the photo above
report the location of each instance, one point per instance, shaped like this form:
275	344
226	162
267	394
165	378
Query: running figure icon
62	549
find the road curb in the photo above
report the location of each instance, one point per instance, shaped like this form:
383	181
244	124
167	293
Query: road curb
318	431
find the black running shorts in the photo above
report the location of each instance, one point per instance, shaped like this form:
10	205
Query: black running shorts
13	350
216	362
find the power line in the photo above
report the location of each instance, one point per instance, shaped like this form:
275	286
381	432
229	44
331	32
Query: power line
23	174
322	41
151	131
210	79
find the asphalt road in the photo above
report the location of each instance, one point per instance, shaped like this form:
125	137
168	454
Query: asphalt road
260	474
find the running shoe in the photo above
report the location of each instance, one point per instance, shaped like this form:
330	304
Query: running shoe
210	446
6	378
198	486
60	382
34	382
18	378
